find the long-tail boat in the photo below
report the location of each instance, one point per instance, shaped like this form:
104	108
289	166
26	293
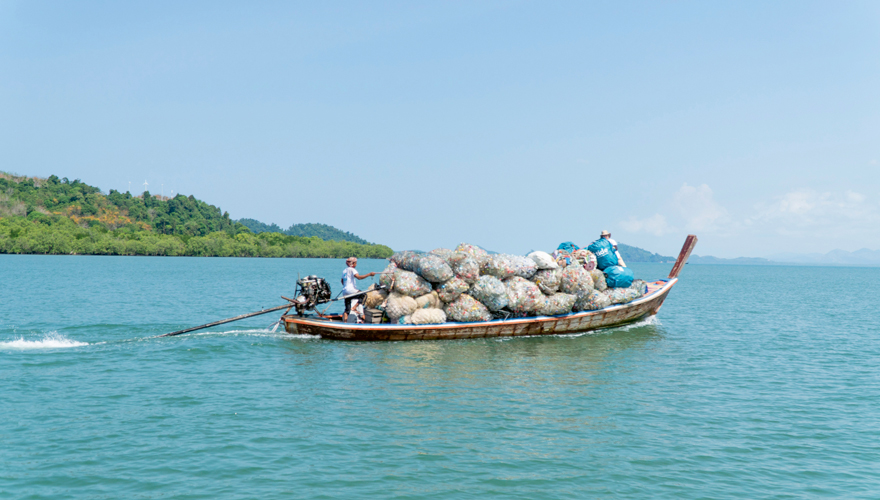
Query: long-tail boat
332	327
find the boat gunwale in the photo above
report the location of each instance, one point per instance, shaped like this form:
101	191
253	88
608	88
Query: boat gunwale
323	323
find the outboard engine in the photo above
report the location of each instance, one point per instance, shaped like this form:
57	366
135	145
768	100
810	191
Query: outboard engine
311	291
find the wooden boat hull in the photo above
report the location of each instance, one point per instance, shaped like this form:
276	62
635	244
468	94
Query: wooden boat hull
584	321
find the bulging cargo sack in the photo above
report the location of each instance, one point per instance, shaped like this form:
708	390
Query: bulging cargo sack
523	267
428	317
598	280
500	265
467	309
434	269
375	297
640	286
618	277
567	247
558	303
428	301
591	301
387	276
620	295
443	253
632	294
604	251
574	279
407	260
523	295
408	283
586	259
474	251
543	260
547	280
450	290
465	266
491	292
398	306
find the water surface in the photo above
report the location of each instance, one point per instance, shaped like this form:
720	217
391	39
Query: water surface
754	382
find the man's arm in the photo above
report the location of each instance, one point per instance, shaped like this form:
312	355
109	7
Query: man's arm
365	276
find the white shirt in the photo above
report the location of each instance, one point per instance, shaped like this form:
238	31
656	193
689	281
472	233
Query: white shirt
620	261
349	282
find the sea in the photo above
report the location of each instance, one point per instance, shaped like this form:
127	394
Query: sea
751	382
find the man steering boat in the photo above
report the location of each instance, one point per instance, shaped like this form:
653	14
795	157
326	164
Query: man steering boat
349	282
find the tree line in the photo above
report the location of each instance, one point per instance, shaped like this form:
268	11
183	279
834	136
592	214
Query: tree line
59	216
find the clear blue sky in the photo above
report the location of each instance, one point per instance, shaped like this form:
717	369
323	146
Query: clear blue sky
513	125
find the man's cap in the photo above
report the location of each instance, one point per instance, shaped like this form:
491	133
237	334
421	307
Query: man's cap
605	233
351	259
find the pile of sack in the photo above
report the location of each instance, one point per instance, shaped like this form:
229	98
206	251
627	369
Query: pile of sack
468	284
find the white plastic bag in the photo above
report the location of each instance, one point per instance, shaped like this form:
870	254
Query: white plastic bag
543	260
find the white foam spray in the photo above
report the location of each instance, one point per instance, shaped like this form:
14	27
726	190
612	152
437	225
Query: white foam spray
49	341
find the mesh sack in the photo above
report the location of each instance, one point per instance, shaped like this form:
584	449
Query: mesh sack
387	276
450	290
428	317
433	268
500	265
406	260
590	301
574	279
465	267
375	297
524	267
443	253
586	258
491	292
598	280
467	309
428	301
632	294
563	259
547	280
543	260
620	295
523	295
407	283
404	320
474	251
640	286
558	303
398	306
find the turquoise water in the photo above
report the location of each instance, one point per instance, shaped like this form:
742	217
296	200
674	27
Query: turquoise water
753	382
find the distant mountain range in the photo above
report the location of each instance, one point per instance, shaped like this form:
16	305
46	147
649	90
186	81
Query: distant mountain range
863	257
322	231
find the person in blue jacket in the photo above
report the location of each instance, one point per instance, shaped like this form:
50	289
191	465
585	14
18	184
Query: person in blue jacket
605	250
607	236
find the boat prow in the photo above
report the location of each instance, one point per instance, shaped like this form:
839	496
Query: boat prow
639	309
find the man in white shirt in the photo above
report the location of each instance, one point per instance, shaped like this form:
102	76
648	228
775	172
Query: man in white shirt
349	283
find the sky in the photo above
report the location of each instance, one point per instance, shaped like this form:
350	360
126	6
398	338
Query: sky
513	125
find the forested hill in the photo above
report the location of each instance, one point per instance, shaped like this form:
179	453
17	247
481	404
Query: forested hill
636	254
59	216
322	231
